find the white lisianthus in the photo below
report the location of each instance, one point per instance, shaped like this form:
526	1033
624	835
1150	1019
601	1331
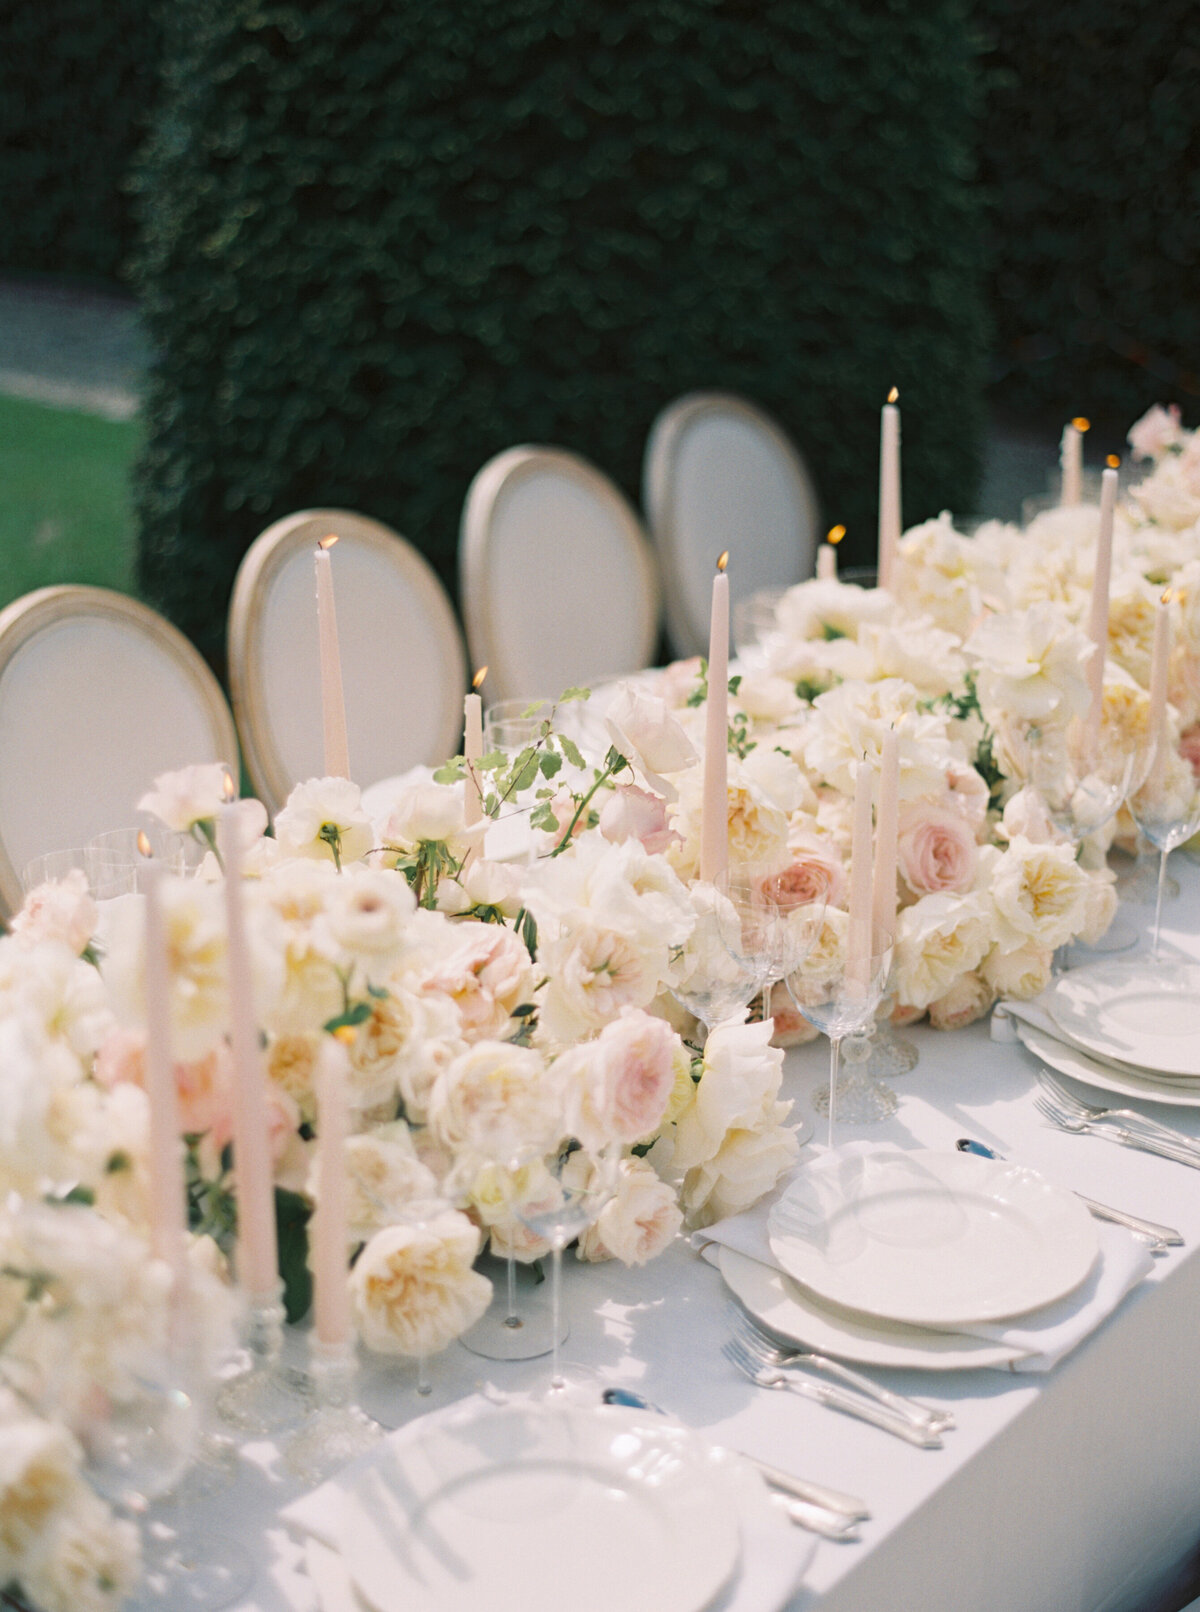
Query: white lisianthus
432	812
737	1089
747	1165
642	728
60	910
938	939
320	811
413	1288
1040	892
1031	663
636	1223
190	795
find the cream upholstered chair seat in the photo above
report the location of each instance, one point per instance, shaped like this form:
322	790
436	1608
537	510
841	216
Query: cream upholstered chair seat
719	474
98	695
558	582
403	665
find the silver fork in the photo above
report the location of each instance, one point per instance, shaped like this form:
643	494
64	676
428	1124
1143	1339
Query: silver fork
1065	1121
769	1352
826	1394
1075	1105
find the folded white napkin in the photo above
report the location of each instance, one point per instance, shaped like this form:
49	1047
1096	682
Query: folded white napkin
1047	1334
774	1552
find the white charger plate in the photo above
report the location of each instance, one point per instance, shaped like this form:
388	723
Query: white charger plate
1072	1061
929	1239
1140	1012
786	1308
515	1509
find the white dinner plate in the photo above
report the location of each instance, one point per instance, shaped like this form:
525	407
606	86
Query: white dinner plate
783	1306
927	1238
1140	1012
531	1508
1073	1061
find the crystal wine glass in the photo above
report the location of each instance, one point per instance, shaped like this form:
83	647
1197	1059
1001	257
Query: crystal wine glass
576	1187
1165	806
839	993
715	982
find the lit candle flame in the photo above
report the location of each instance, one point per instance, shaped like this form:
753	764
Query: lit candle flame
1113	461
723	561
477	680
328	542
1081	423
1166	597
143	843
894	395
835	534
228	787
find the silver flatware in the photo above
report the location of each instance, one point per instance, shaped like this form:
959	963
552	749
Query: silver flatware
1128	1116
822	1510
827	1394
1139	1140
770	1352
1160	1238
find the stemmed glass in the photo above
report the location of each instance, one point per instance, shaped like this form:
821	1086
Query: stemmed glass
716	981
767	927
1165	807
576	1188
139	1442
839	994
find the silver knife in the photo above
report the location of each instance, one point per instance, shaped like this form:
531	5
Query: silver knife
815	1494
1161	1237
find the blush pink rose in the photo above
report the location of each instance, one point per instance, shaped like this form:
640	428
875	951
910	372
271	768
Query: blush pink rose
617	1087
936	850
631	813
968	999
282	1116
814	874
61	910
792	1029
121	1058
204	1088
486	976
1189	749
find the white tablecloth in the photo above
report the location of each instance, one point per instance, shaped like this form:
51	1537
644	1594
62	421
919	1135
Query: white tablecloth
1071	1492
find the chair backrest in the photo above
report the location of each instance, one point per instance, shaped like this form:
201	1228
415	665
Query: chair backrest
98	695
403	666
720	474
558	581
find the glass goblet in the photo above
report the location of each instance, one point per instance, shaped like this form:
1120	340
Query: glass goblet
1165	807
576	1187
839	995
713	982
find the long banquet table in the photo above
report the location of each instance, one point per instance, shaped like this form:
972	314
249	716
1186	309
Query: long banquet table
1073	1491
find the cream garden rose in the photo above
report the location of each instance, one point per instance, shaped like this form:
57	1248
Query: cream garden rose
413	1287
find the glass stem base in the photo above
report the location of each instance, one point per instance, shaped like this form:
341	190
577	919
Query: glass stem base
337	1430
265	1397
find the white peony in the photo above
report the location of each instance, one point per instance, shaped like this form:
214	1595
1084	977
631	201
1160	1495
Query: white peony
737	1089
747	1165
1040	893
1031	663
849	723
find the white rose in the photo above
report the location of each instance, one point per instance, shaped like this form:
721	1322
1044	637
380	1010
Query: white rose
320	811
61	910
38	1465
383	1176
617	1087
493	884
1040	893
495	1102
86	1560
593	972
367	913
938	939
637	1222
848	726
1022	973
413	1287
432	812
53	988
968	999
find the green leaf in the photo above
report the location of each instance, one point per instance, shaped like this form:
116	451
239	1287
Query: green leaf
569	694
532	710
550	763
735	683
571	750
291	1228
356	1014
529	934
451	771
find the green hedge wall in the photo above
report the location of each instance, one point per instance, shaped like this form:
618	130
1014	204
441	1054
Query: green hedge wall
1092	156
78	80
384	242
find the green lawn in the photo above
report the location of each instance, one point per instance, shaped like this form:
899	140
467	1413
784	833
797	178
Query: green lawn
65	510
